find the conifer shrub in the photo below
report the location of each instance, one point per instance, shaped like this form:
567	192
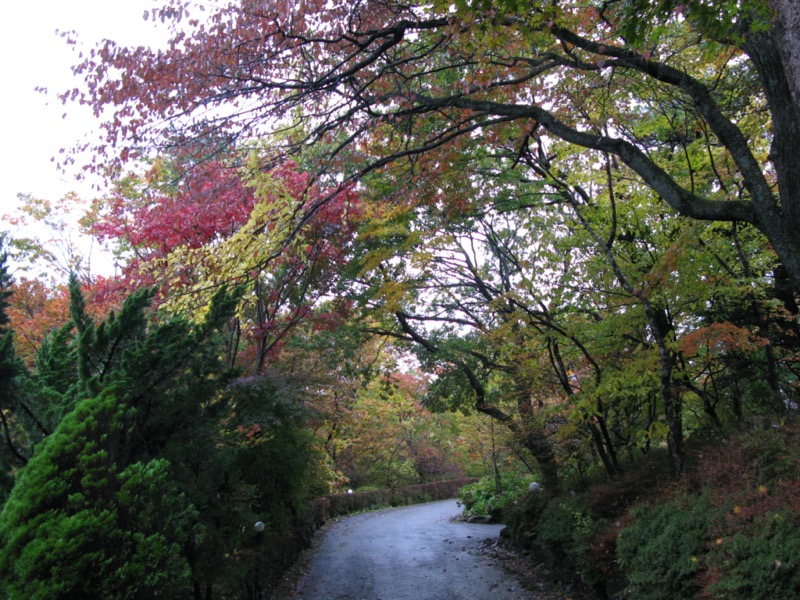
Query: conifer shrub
566	529
760	563
150	484
80	524
662	551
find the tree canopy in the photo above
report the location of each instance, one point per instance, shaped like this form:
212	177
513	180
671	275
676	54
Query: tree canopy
692	98
602	119
336	221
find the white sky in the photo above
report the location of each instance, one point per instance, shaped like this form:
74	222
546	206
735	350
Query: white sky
32	126
33	129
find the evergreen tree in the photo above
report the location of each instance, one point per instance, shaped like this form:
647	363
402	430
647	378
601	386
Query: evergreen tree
158	464
10	368
81	523
5	284
106	508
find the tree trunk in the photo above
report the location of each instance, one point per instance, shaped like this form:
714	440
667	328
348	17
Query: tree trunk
534	440
787	33
776	56
538	444
673	413
599	444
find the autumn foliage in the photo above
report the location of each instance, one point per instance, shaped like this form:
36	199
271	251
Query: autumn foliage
466	237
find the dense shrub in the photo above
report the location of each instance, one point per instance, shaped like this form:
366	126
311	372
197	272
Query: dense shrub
770	458
662	550
336	505
689	547
760	564
484	498
78	524
565	531
522	519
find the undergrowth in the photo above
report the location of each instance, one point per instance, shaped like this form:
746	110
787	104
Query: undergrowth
490	496
729	529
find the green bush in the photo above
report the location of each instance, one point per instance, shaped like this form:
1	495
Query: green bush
483	498
78	525
760	563
661	552
522	519
566	529
770	457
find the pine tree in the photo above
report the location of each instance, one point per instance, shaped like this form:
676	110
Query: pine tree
10	368
81	523
106	508
148	485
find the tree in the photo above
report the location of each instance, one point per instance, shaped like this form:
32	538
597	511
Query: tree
787	22
547	288
10	369
390	439
84	522
62	243
384	82
227	231
35	310
690	101
109	478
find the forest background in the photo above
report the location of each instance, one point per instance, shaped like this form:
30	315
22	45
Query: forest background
376	243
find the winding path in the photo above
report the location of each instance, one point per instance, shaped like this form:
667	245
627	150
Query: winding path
409	553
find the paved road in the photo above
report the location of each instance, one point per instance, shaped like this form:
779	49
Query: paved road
410	553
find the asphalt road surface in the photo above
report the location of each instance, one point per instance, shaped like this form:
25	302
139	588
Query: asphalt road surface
410	553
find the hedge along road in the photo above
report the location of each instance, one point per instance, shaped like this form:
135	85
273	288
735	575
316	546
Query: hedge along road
410	553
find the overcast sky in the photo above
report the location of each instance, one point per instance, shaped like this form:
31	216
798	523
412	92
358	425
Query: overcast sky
33	129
